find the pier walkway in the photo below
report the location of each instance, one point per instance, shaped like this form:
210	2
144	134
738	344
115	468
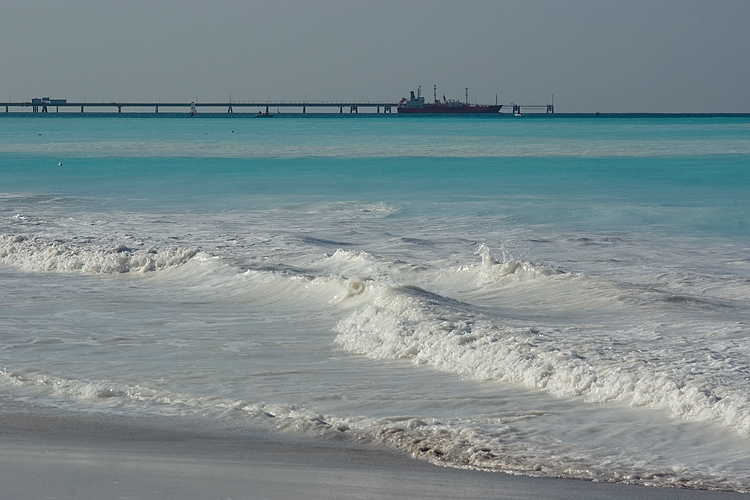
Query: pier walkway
43	105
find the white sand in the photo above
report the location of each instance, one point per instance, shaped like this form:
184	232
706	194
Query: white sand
70	456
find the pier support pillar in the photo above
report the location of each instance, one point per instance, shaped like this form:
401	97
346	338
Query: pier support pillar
378	111
353	109
341	109
266	109
230	109
156	109
386	109
304	109
119	109
6	109
44	109
81	109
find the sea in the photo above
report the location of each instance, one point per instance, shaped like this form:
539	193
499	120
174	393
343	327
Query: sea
557	296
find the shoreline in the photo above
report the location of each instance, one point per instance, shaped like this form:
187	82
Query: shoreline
97	456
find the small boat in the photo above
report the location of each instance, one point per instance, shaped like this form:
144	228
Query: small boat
263	114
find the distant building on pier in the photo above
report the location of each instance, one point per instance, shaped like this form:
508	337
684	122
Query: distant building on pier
41	101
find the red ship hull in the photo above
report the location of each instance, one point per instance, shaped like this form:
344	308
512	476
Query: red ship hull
432	109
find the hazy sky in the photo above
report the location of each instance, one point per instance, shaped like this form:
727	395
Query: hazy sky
598	55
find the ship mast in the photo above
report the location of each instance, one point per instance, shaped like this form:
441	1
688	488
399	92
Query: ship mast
434	93
467	96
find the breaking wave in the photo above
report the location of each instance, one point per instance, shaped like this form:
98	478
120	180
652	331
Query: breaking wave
40	254
411	323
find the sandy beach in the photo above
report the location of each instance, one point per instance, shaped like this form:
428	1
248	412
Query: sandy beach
93	456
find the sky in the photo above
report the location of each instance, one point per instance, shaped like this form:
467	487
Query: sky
593	55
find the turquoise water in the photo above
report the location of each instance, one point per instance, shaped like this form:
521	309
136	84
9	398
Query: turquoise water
548	296
693	171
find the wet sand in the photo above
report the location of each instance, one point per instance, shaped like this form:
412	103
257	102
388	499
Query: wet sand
93	456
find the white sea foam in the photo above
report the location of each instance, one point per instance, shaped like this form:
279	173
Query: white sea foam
354	208
411	323
394	321
493	442
270	287
356	263
40	254
490	275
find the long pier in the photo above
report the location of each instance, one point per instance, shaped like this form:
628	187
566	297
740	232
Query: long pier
44	105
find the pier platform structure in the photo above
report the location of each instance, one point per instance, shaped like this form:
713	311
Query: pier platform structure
44	104
550	108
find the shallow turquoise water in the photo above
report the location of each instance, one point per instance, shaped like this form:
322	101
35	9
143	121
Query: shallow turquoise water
578	168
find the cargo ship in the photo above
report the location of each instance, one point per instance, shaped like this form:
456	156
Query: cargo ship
416	104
